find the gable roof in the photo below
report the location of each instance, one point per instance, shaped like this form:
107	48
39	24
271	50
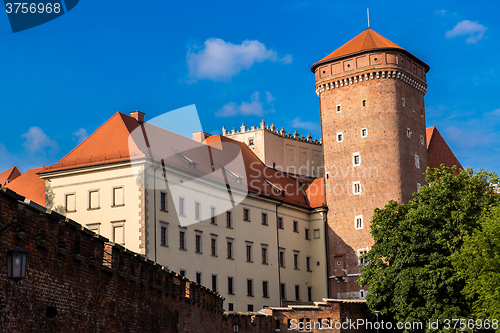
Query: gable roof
30	186
438	151
366	41
109	143
9	175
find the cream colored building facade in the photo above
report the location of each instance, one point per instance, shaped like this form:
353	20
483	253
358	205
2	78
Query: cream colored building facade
258	253
290	152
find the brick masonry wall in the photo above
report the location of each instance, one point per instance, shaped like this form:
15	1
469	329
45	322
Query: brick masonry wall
387	170
320	317
79	282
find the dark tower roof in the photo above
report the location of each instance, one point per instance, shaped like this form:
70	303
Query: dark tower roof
366	41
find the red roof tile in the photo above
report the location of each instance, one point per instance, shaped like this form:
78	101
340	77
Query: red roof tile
365	41
438	151
9	175
30	186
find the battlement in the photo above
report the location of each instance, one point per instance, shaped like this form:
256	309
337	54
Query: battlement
271	129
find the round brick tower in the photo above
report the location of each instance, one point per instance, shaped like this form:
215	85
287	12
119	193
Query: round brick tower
371	94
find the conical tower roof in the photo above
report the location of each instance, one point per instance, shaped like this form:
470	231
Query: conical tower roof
368	40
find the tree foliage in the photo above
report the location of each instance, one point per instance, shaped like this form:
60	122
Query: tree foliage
410	270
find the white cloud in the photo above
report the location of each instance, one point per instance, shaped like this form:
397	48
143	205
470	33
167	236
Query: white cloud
473	30
440	12
307	125
37	142
253	108
220	60
80	135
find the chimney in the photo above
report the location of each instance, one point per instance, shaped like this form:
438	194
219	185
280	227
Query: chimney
138	115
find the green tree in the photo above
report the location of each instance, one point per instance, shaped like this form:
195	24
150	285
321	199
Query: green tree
410	271
478	262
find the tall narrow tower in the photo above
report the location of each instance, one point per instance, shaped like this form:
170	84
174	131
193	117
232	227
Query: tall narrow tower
371	94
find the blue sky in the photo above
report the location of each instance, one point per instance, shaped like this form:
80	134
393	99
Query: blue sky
237	62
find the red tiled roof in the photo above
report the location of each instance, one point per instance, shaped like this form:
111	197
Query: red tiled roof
30	186
9	175
109	143
365	41
315	191
438	151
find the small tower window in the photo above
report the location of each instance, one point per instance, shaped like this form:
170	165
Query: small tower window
356	188
422	140
358	222
356	159
364	132
250	142
418	187
338	108
408	132
364	102
404	102
417	161
340	137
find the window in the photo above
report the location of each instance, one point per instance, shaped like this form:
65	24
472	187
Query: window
356	159
356	187
249	249
230	285
338	108
250	142
404	102
264	219
94	199
308	264
213	245
361	261
307	234
250	307
418	186
362	294
296	260
408	132
163	234
297	292
309	294
358	222
280	223
229	219
340	137
246	214
295	226
197	211
198	248
364	102
181	207
230	252
249	287
213	216
422	140
118	232
118	196
70	203
364	132
282	291
230	307
95	227
198	277
265	260
182	272
417	161
265	289
214	282
164	201
182	239
281	257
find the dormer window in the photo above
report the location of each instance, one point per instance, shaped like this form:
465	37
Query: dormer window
189	162
276	189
